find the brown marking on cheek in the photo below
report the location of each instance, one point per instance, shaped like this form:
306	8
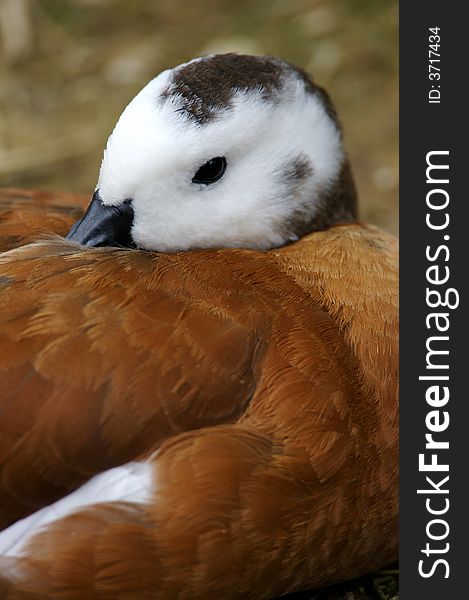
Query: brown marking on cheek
297	171
294	176
338	205
207	86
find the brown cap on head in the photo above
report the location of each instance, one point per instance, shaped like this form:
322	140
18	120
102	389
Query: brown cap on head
207	85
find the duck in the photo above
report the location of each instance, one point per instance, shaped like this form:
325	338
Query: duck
199	368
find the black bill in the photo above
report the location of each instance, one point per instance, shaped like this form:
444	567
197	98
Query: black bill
104	225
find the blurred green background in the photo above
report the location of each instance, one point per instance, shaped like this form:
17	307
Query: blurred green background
69	67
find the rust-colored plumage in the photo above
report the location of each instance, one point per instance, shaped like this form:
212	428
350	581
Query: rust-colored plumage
261	385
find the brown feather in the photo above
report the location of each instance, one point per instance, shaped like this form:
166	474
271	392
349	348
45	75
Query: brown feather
266	380
26	215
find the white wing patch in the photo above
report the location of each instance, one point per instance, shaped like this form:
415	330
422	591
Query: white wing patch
132	482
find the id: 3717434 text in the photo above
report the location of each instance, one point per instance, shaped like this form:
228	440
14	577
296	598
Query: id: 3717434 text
434	59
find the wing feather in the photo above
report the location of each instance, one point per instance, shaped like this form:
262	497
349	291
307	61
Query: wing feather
100	361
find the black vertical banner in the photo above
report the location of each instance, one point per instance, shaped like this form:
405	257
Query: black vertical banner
434	166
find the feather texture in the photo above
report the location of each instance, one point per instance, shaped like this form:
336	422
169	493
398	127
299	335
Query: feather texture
261	385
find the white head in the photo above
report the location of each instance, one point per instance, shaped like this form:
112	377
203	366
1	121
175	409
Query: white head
276	165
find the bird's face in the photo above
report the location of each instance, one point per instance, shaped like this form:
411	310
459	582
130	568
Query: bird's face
223	151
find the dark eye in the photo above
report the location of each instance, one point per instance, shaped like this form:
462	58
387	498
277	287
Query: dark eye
211	171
